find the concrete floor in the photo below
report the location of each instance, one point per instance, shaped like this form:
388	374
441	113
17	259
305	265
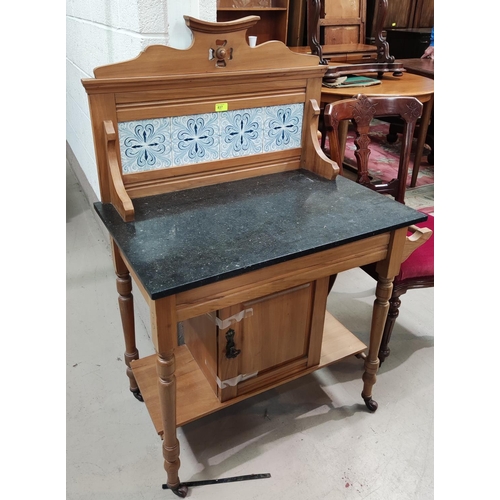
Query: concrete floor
314	435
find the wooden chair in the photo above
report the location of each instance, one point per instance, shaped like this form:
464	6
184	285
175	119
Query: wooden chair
361	110
417	270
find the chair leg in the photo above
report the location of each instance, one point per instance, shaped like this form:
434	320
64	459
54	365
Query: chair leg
392	136
429	140
392	315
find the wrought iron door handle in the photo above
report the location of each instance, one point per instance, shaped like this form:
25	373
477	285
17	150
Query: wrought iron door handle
231	351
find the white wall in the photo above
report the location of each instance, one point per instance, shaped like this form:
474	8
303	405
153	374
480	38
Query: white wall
100	32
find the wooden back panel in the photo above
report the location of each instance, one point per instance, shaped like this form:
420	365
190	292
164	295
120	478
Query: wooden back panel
218	111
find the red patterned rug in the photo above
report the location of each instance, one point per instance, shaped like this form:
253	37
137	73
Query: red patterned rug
384	157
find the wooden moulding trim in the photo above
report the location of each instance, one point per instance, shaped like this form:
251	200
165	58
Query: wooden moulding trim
144	83
235	90
119	197
142	179
173	179
210	178
148	110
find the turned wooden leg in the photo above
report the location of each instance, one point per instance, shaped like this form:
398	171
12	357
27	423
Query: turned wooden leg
380	308
164	330
392	315
126	304
167	393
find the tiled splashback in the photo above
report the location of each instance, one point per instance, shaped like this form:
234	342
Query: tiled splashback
184	140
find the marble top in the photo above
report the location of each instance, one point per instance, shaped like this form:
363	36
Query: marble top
186	239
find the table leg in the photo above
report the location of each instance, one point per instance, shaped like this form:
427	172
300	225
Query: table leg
165	366
380	308
386	270
164	329
422	134
126	304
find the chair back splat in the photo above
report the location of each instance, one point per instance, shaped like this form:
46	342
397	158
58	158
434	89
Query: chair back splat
361	110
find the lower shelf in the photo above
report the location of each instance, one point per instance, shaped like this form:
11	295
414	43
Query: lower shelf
195	398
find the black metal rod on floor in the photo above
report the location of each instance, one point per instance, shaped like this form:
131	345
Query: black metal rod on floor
223	480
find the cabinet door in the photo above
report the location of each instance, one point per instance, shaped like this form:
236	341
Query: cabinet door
273	336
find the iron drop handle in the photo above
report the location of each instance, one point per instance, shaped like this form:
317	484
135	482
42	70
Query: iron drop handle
231	351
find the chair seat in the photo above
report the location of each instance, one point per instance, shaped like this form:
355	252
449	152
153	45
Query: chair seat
421	262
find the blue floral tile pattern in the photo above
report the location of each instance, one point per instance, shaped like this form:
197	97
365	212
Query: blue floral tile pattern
145	145
283	127
184	140
195	138
242	132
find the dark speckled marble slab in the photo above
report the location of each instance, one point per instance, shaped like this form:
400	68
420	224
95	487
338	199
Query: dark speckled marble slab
194	237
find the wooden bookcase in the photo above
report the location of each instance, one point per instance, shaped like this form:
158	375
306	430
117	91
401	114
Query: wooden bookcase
273	24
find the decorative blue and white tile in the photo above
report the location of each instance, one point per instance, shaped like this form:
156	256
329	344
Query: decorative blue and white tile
283	127
184	140
241	133
195	138
145	145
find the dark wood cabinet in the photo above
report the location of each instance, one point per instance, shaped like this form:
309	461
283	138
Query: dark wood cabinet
401	14
408	43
